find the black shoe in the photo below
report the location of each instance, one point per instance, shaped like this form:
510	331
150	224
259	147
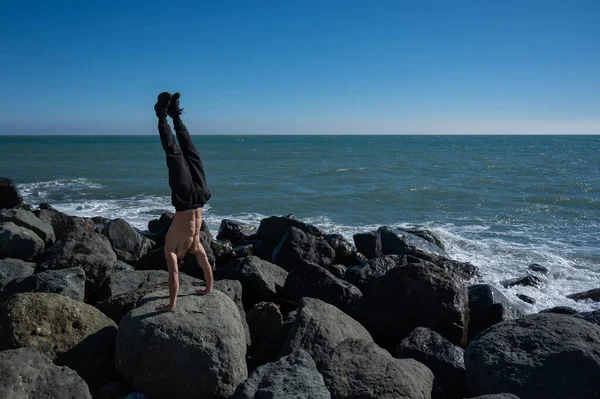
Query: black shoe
174	111
162	105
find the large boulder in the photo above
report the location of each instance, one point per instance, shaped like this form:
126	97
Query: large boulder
313	281
27	373
362	276
240	251
592	317
319	327
163	223
345	253
11	269
400	242
298	248
28	220
233	289
592	295
415	295
261	280
360	369
463	270
198	348
273	228
488	306
63	224
264	321
537	356
9	194
128	244
443	359
19	242
235	231
365	243
90	251
291	377
68	282
69	332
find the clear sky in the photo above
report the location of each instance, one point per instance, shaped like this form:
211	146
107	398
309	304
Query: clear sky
283	67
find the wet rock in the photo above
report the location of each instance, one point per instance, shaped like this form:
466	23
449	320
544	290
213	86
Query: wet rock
345	253
530	280
592	317
68	282
536	356
27	373
19	243
560	310
298	248
199	347
399	242
29	221
488	306
463	270
427	235
526	299
235	231
536	268
273	228
593	295
128	244
10	197
11	269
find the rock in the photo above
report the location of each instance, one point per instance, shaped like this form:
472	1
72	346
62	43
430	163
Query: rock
156	225
263	249
199	348
534	267
67	282
593	295
9	194
270	349
440	356
592	317
112	390
264	321
241	251
19	242
399	242
363	276
233	289
153	226
298	248
314	281
345	253
69	332
415	295
11	269
463	270
219	247
122	266
29	221
235	231
530	280
427	235
63	224
537	356
319	327
274	228
361	369
365	243
526	299
128	244
488	306
338	270
90	251
497	396
27	373
293	376
560	310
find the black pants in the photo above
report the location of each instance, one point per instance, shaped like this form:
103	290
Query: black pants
186	172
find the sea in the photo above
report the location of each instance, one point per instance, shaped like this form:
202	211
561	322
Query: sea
499	202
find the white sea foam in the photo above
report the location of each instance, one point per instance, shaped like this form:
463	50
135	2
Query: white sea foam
45	188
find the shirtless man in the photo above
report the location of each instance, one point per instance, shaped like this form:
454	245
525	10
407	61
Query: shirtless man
189	193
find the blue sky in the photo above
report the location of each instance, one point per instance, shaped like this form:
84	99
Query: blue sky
281	67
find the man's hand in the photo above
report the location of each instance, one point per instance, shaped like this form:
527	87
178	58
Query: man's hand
164	307
203	291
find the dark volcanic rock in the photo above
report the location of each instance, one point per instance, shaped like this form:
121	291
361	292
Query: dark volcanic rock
9	194
219	247
273	228
593	295
68	282
345	253
320	327
293	376
427	235
90	251
526	299
592	317
537	356
560	310
361	369
128	244
233	289
235	231
365	243
199	348
11	269
19	243
362	276
162	224
530	280
314	281
27	373
241	251
415	295
338	271
264	321
488	306
263	249
64	225
534	267
463	270
399	242
69	332
443	359
261	280
29	221
298	248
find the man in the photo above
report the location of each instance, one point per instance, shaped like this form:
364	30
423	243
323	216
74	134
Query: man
189	193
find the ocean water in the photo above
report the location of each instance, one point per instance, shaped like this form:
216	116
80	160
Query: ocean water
499	202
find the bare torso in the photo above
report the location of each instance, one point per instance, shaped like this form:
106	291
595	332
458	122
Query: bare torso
184	234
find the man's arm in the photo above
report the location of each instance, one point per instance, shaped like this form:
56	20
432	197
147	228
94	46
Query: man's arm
173	281
202	260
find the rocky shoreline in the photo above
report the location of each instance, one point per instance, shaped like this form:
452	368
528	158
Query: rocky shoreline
296	313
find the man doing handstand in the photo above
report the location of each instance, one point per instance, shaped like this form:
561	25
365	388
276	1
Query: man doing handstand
189	193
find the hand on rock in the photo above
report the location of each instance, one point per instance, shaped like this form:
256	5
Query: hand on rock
203	291
165	307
